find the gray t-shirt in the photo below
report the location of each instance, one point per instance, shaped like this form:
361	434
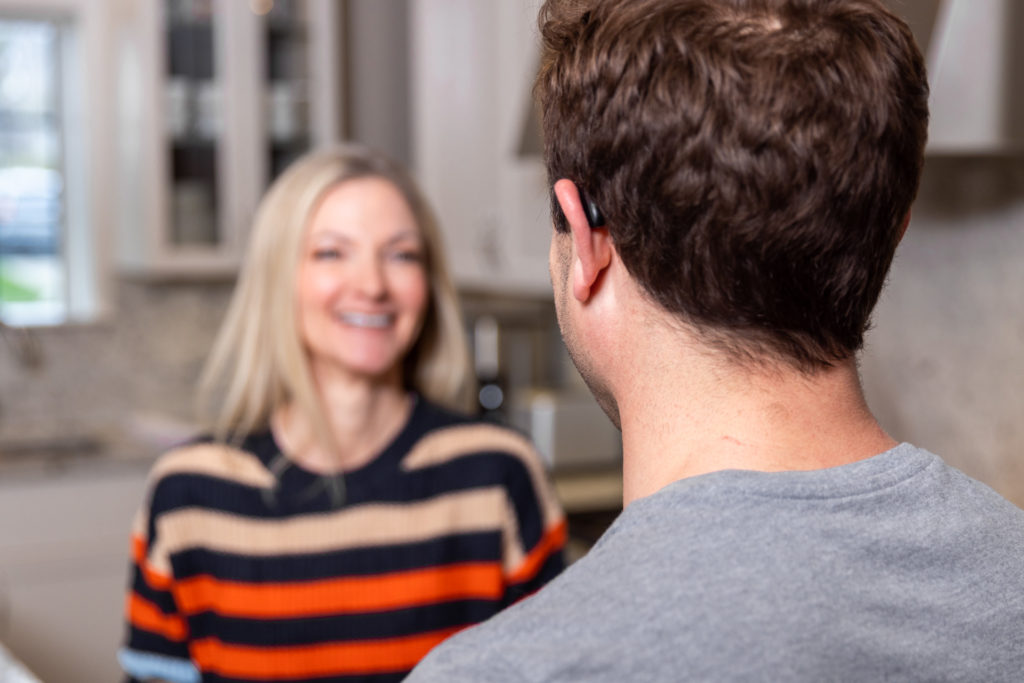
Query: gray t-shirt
897	567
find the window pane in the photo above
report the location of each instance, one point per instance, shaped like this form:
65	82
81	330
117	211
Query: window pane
32	276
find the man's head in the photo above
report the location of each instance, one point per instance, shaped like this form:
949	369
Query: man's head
755	160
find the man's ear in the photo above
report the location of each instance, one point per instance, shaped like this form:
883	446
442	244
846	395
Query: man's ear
906	224
592	251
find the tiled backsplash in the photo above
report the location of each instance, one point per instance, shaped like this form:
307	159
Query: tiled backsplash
144	360
943	366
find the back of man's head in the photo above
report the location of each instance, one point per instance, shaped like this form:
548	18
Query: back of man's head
754	159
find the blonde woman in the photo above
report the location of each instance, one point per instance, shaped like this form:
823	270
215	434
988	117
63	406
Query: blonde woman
344	517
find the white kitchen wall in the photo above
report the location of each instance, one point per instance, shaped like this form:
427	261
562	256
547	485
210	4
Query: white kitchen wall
944	364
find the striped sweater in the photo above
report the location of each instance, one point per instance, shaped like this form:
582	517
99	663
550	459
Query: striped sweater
243	574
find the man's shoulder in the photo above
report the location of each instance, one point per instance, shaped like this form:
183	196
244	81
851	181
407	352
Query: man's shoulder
562	632
521	643
708	578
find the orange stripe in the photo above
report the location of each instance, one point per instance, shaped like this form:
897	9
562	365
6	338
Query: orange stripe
148	617
307	661
138	549
342	595
551	542
153	578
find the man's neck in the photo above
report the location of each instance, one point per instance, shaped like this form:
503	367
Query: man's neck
697	419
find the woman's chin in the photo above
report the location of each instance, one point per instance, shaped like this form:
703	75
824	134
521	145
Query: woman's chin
371	369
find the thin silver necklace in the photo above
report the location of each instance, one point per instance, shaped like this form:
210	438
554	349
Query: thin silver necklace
333	484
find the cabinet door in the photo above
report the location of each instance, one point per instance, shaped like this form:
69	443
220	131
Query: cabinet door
473	67
180	194
64	543
222	95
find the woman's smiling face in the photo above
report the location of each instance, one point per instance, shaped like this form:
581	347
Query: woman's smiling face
362	287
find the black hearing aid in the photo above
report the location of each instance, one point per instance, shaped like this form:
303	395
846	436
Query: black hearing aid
594	216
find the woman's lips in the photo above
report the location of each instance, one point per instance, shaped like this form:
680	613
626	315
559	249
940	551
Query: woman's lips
370	320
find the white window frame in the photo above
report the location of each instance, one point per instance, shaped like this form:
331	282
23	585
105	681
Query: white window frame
87	101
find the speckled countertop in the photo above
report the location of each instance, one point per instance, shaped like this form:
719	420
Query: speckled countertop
68	457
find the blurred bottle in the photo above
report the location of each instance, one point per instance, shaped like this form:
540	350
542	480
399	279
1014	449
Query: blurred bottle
491	396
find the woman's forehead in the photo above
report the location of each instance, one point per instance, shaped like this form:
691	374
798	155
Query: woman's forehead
364	208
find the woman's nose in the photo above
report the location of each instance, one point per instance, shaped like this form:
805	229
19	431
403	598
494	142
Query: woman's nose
371	280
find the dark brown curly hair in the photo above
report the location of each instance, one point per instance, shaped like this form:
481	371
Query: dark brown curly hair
754	159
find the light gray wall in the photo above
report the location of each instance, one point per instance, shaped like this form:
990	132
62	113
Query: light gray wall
944	364
378	102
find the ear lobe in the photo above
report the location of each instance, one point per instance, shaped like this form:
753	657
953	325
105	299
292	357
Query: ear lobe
903	228
580	286
592	247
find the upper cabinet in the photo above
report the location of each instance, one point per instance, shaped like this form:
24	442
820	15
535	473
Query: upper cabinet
976	73
976	69
216	97
473	65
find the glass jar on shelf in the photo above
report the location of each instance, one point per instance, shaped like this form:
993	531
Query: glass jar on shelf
193	121
287	83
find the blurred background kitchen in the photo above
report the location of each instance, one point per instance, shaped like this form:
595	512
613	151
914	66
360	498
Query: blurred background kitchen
136	136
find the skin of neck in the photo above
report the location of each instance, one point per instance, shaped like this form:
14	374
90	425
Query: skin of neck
686	410
686	407
363	414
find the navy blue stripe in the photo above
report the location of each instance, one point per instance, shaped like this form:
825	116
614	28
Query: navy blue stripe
484	469
188	489
489	469
360	626
144	641
484	546
160	598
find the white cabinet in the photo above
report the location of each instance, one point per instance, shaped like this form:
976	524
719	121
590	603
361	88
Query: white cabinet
976	77
974	72
64	542
473	65
215	97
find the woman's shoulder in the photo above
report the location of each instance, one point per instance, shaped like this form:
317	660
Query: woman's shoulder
444	434
204	456
466	450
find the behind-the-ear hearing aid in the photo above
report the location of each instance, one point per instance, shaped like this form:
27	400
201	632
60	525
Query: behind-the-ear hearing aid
594	216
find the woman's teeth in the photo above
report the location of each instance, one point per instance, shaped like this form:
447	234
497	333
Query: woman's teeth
366	319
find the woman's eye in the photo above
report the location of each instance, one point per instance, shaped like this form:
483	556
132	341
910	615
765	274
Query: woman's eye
326	254
408	255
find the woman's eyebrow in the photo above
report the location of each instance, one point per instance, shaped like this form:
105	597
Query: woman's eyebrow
331	234
410	234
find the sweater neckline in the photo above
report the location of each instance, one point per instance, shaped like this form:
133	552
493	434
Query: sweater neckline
295	479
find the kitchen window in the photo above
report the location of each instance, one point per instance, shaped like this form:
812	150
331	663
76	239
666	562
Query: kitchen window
45	240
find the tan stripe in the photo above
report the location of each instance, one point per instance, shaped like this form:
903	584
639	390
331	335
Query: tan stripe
448	444
213	459
366	525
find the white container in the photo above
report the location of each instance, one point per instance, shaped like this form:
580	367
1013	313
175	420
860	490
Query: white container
287	111
193	214
569	429
178	94
208	110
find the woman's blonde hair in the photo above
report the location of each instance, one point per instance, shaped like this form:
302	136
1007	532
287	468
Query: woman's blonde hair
258	361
